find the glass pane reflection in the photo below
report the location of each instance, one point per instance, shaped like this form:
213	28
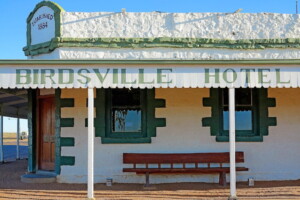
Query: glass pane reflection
125	120
243	120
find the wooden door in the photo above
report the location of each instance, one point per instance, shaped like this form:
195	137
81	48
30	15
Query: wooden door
46	129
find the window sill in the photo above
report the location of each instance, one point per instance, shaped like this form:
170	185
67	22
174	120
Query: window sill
240	139
125	140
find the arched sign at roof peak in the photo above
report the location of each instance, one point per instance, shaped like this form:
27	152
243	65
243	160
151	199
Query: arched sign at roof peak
43	24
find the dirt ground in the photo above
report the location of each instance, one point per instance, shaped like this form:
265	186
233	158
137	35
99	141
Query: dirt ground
12	188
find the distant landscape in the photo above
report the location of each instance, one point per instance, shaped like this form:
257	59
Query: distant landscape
10	138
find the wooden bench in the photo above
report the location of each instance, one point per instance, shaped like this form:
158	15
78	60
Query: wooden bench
158	159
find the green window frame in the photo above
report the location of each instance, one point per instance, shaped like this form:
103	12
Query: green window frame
109	116
260	116
149	123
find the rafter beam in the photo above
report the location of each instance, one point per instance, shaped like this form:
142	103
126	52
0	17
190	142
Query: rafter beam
21	93
11	103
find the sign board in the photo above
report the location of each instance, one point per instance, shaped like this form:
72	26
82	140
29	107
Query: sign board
148	76
42	25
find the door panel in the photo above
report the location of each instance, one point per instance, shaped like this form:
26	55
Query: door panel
46	133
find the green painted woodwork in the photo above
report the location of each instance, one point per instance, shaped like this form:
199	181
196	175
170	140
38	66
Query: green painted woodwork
214	121
67	141
63	122
89	62
67	122
67	160
126	136
152	104
161	42
100	103
59	141
57	131
57	17
107	140
261	116
149	122
66	102
32	139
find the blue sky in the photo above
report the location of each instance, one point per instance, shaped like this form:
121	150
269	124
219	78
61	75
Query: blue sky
10	125
14	13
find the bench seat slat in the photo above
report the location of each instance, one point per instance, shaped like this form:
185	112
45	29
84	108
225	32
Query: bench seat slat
165	158
183	170
183	159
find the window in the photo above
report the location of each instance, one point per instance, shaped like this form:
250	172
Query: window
245	109
251	112
127	115
125	111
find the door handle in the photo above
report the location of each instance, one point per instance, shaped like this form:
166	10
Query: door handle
49	138
46	138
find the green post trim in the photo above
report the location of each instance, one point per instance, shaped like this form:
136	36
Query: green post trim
57	17
63	122
160	42
67	160
152	121
57	131
32	139
67	142
100	103
67	103
67	122
214	121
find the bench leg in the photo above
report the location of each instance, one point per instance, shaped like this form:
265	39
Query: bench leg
147	180
222	178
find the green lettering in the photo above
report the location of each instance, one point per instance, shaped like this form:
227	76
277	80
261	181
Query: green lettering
278	78
163	75
100	76
81	73
69	72
262	75
26	76
225	76
247	73
216	75
124	78
142	77
45	75
35	76
115	76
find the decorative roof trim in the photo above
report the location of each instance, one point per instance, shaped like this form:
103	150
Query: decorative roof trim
86	62
160	42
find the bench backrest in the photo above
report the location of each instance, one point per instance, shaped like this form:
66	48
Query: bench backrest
166	158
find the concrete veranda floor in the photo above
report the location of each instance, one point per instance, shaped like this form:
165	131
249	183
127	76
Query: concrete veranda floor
12	188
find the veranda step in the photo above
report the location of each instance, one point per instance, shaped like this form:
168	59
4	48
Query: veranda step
38	178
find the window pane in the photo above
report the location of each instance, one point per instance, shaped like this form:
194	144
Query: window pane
243	96
127	120
243	120
125	97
